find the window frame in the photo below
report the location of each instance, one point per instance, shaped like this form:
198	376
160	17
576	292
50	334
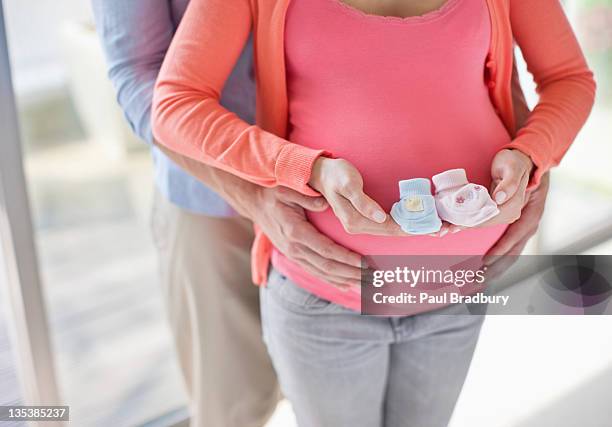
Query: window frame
27	319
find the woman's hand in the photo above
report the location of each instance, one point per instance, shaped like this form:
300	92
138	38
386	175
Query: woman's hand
510	172
342	186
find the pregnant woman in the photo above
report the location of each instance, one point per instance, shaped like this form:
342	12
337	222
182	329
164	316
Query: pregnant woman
353	96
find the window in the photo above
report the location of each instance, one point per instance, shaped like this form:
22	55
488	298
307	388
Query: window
11	390
90	185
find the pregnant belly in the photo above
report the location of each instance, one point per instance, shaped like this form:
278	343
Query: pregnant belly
394	157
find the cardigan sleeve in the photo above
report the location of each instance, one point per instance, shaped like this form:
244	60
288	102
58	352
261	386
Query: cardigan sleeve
563	80
188	117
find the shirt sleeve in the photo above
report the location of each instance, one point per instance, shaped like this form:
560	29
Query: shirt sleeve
135	36
188	117
563	81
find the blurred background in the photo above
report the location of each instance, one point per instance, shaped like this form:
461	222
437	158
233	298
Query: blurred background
90	185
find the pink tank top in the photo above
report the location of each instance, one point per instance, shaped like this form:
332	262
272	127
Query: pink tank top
399	98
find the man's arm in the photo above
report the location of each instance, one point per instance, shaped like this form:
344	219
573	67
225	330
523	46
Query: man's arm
135	36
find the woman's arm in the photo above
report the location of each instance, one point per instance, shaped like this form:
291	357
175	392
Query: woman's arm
519	232
187	115
564	82
188	119
567	90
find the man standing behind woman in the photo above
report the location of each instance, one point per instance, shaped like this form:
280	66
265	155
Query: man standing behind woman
203	241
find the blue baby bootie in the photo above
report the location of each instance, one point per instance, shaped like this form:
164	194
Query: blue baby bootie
416	211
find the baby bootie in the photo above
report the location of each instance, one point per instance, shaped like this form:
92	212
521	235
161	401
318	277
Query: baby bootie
416	211
460	202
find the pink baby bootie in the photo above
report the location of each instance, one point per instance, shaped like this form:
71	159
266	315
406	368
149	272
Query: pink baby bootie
460	202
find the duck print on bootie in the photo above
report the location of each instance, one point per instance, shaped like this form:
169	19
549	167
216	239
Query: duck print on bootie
461	202
415	212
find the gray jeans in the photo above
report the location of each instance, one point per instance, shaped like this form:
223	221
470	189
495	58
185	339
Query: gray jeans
339	368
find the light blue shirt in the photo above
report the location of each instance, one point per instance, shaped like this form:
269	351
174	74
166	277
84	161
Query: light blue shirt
135	36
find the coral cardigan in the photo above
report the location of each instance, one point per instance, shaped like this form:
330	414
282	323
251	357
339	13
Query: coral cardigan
188	119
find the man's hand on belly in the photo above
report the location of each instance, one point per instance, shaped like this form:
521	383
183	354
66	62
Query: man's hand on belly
518	234
279	212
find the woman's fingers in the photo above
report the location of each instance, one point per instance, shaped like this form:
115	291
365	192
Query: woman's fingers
355	223
352	221
510	211
510	172
508	169
363	203
391	228
513	208
338	177
508	185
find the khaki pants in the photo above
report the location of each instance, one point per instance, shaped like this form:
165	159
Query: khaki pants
213	310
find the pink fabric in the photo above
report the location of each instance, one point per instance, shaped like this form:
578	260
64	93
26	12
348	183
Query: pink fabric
460	202
399	98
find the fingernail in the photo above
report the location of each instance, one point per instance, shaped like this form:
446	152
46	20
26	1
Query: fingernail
443	232
380	216
456	230
500	197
